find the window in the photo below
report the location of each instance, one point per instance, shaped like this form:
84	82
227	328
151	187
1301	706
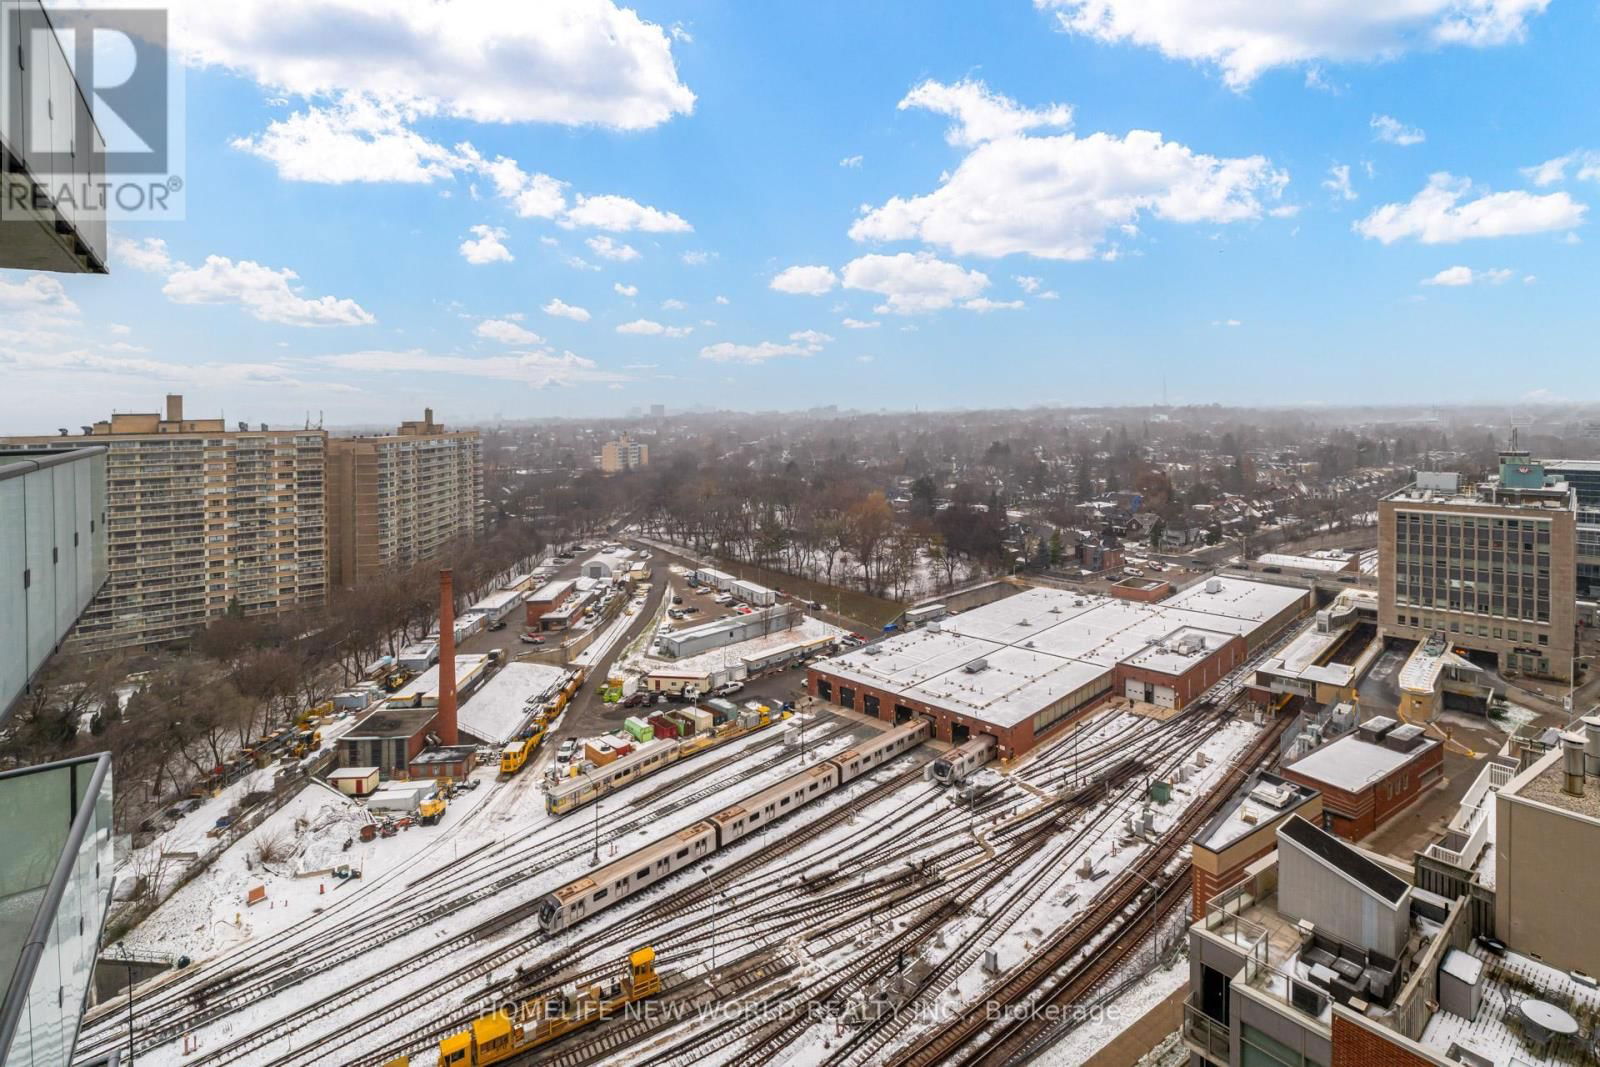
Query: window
1260	1049
601	894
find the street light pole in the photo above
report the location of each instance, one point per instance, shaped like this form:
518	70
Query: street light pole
127	961
706	870
594	858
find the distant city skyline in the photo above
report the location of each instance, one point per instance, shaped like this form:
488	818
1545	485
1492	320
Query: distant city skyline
943	207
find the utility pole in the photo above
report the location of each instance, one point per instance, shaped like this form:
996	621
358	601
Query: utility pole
594	859
127	961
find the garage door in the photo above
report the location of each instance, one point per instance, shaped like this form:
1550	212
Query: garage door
1166	697
1134	690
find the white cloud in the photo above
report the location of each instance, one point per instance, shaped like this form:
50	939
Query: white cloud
37	294
1049	294
1456	276
1391	130
857	324
536	369
913	282
120	329
579	263
146	254
814	340
625	290
863	359
721	299
981	114
571	62
1058	197
850	161
808	281
983	305
696	258
1027	282
649	328
1437	215
561	309
507	332
1226	322
265	293
356	139
531	196
486	247
1554	171
1338	182
1529	279
673	305
606	248
728	352
1246	38
618	214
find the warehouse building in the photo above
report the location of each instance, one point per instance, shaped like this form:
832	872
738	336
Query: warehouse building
548	600
388	739
1022	666
730	631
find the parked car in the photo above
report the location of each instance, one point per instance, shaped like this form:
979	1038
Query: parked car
568	749
729	689
814	605
531	639
634	701
691	610
677	600
498	624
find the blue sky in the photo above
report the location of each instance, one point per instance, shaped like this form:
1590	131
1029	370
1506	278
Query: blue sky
1068	201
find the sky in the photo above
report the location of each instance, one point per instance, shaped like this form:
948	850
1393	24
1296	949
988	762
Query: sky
574	208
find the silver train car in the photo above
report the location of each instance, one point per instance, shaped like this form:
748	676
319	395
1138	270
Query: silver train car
646	867
957	765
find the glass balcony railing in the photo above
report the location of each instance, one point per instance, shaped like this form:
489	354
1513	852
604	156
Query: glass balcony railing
55	887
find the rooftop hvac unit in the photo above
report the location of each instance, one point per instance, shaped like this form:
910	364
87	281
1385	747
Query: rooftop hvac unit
976	666
1213	585
1055	609
873	650
1273	794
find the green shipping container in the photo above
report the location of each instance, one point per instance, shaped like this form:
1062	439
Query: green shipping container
638	729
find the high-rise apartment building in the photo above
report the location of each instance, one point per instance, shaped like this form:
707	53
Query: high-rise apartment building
1584	477
399	499
201	520
1492	567
623	454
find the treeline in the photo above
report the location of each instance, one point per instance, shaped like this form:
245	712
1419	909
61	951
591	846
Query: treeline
168	717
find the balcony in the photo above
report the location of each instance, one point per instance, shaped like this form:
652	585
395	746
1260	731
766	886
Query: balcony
51	214
1204	1036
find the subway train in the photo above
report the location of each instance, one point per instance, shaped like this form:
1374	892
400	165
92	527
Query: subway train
646	867
957	765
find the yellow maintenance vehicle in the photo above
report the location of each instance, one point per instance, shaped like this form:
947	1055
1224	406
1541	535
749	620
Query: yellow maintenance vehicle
549	1016
433	806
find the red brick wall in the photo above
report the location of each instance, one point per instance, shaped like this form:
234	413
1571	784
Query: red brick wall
1191	683
539	609
1355	1045
1355	815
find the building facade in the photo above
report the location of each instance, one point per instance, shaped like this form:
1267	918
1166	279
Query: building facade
201	520
1491	567
1369	776
623	454
395	500
1584	477
52	554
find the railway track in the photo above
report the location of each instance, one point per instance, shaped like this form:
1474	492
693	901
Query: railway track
1032	983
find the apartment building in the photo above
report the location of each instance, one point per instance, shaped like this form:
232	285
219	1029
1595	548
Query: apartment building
623	454
200	520
1584	477
1490	567
399	499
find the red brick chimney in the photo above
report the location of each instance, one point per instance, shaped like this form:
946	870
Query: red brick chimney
445	721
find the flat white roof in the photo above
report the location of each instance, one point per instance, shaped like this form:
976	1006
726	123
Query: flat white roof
1303	563
498	710
1353	763
353	772
427	683
495	601
1043	644
550	591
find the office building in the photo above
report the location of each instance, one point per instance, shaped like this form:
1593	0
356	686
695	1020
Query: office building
52	149
623	454
1584	477
52	554
1491	567
396	500
201	520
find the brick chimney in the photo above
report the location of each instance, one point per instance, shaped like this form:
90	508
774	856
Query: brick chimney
445	721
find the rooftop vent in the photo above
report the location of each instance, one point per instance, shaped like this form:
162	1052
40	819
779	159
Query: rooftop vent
1274	794
873	650
977	666
1213	585
1572	761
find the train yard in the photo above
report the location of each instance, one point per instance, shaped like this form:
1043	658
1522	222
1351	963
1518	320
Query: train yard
869	899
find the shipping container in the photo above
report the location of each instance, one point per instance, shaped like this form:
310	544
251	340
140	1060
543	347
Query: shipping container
663	727
638	729
703	719
685	724
599	753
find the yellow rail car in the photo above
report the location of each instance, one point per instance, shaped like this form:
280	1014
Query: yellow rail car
517	753
537	1022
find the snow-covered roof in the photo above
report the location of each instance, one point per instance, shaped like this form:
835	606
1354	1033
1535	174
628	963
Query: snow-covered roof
495	601
500	709
1043	644
1302	563
1352	763
427	683
550	591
